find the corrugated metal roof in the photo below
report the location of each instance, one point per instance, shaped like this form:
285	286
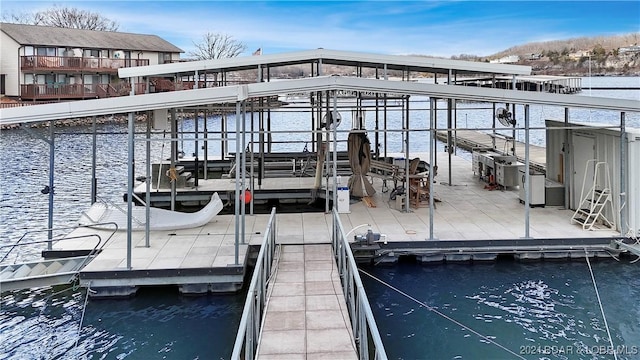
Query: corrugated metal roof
331	57
62	37
230	94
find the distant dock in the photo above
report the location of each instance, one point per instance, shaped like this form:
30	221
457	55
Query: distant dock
473	139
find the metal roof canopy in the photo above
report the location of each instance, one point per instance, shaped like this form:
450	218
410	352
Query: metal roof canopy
331	57
234	93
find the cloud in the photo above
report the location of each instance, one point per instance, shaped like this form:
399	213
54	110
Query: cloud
438	28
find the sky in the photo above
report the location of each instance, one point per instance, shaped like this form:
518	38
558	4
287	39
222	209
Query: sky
433	28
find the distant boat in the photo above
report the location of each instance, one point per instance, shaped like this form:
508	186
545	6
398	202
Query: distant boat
159	219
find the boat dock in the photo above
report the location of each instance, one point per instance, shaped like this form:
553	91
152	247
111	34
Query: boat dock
202	259
456	215
472	139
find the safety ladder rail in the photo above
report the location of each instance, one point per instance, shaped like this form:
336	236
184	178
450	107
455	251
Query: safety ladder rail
249	329
593	202
48	272
20	243
363	322
79	267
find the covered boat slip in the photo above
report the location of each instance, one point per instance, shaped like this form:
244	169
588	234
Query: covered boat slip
470	222
465	211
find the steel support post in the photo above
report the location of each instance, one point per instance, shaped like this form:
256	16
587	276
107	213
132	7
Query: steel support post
94	181
52	156
147	182
237	193
432	155
131	174
527	176
623	175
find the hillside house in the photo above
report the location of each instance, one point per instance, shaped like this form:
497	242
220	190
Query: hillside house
48	63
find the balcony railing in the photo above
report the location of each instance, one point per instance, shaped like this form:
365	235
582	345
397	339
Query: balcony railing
77	91
37	63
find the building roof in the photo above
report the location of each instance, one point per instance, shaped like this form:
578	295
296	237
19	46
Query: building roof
421	64
61	37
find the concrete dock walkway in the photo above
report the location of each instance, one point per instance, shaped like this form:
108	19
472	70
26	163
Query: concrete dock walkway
306	315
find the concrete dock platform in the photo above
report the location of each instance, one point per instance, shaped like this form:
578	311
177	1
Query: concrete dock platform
466	210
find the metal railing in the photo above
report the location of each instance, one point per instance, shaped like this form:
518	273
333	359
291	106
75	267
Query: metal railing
250	323
70	63
98	246
363	324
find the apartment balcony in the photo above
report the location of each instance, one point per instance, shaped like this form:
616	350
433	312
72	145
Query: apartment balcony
40	92
37	63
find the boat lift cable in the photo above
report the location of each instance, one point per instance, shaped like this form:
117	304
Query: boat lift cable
434	310
595	287
84	309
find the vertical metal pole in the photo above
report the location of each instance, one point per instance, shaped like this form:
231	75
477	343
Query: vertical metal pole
196	163
223	135
527	176
252	159
130	176
94	181
52	156
326	153
435	128
148	183
623	175
449	138
244	170
513	114
405	134
432	155
174	154
237	193
335	152
206	147
566	154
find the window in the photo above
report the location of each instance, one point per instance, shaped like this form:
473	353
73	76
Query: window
46	51
164	58
92	53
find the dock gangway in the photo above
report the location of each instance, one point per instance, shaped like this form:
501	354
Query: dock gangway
368	343
47	272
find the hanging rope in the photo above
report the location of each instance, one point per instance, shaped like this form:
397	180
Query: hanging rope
442	315
586	256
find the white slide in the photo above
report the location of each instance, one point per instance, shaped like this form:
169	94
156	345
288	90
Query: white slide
159	219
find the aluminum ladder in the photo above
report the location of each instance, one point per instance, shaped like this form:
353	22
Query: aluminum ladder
594	202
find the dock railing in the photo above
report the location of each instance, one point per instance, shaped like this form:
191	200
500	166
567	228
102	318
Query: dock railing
363	324
251	320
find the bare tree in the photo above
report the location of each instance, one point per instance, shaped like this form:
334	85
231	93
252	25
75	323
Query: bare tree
20	18
64	17
217	46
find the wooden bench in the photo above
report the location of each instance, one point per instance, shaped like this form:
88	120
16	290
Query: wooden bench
385	171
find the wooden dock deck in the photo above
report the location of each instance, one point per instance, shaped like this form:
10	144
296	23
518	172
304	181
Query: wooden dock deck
306	315
472	139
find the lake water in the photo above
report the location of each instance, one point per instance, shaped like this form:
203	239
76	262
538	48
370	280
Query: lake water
513	304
